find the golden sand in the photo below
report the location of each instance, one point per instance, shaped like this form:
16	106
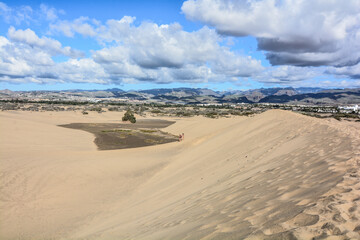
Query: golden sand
275	175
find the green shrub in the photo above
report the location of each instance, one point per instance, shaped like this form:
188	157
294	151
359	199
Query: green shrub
155	111
96	109
129	116
337	118
148	131
236	113
113	109
248	113
183	114
211	115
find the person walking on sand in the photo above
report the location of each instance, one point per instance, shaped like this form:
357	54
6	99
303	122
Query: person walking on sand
183	136
180	137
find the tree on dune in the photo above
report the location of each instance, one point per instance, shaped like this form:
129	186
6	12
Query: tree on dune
129	116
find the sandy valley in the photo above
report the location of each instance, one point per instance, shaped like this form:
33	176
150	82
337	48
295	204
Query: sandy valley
276	175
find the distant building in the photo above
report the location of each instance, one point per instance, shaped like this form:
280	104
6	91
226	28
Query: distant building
354	108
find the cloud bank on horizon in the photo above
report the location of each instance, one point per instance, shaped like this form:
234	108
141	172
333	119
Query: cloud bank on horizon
302	41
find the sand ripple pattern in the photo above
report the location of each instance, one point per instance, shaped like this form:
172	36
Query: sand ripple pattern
278	175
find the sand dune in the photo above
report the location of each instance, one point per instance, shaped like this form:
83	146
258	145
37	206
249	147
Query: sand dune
277	175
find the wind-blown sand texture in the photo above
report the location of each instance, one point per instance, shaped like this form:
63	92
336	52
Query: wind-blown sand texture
277	175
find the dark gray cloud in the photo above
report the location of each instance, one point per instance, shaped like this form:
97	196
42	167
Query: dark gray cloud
47	75
11	76
294	60
356	76
296	46
154	62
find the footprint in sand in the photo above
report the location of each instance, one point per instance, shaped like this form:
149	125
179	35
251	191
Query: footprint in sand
338	218
331	228
283	235
356	199
352	209
304	219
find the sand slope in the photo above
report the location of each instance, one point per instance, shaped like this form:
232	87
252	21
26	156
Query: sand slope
275	175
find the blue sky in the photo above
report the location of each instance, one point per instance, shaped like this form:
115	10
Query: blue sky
222	45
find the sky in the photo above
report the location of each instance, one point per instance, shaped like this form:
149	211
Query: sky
216	44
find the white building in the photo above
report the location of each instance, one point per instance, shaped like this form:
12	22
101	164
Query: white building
354	108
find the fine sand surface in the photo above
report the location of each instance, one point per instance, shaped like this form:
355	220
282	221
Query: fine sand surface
277	175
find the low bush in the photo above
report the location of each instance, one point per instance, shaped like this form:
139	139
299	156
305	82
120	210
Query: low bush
96	109
155	111
148	131
184	114
211	115
112	109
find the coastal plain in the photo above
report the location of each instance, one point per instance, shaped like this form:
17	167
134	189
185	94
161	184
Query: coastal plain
274	175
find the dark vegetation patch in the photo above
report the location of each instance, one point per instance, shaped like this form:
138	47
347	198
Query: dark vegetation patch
338	116
109	136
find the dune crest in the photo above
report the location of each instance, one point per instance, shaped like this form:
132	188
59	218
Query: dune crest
275	175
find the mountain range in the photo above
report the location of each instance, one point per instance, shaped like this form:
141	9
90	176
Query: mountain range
286	95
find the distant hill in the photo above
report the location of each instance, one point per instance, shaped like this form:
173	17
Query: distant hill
181	92
345	96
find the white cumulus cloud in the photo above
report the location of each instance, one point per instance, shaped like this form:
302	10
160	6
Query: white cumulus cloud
30	38
287	75
16	15
22	63
82	25
352	71
167	53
